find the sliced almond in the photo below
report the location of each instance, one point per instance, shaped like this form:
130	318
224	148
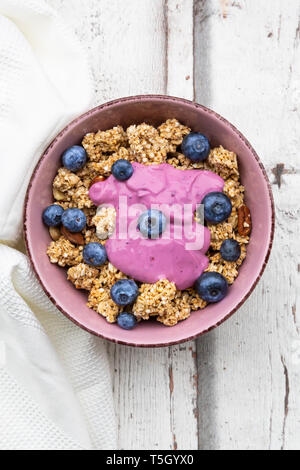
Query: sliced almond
54	233
97	179
73	237
58	195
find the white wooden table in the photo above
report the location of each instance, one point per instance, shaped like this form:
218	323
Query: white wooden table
238	387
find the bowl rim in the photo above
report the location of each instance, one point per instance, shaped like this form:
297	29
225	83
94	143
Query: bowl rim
131	99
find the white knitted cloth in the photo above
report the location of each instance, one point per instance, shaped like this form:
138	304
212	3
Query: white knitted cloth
55	385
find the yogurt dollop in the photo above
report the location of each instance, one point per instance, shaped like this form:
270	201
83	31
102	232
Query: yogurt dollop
162	187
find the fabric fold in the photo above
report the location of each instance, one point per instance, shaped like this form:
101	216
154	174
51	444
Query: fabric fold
55	384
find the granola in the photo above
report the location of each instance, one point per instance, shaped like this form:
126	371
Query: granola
147	145
109	275
82	276
64	253
99	143
103	167
224	163
174	132
101	302
229	269
180	161
65	180
104	220
154	299
219	233
150	146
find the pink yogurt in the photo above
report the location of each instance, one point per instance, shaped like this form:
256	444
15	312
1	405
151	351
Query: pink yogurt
167	257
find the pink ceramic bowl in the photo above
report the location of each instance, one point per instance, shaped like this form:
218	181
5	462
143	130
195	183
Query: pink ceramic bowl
154	110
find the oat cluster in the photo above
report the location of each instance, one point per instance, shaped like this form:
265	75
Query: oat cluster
102	142
224	163
101	302
69	190
229	269
64	253
173	132
105	222
99	297
167	303
147	145
83	276
103	167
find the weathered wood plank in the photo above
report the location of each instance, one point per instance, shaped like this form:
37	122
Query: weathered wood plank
180	48
144	47
248	70
182	358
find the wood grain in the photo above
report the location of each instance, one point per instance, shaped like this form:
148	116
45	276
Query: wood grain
146	47
249	367
242	59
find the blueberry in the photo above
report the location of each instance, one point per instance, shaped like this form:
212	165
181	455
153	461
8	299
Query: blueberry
230	250
122	170
195	146
124	292
217	207
94	254
152	223
73	219
126	320
74	158
211	286
52	215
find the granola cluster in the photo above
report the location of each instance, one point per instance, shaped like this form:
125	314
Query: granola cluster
105	222
229	269
83	276
102	142
147	145
103	167
154	299
101	302
173	131
64	253
224	163
167	303
70	191
99	297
